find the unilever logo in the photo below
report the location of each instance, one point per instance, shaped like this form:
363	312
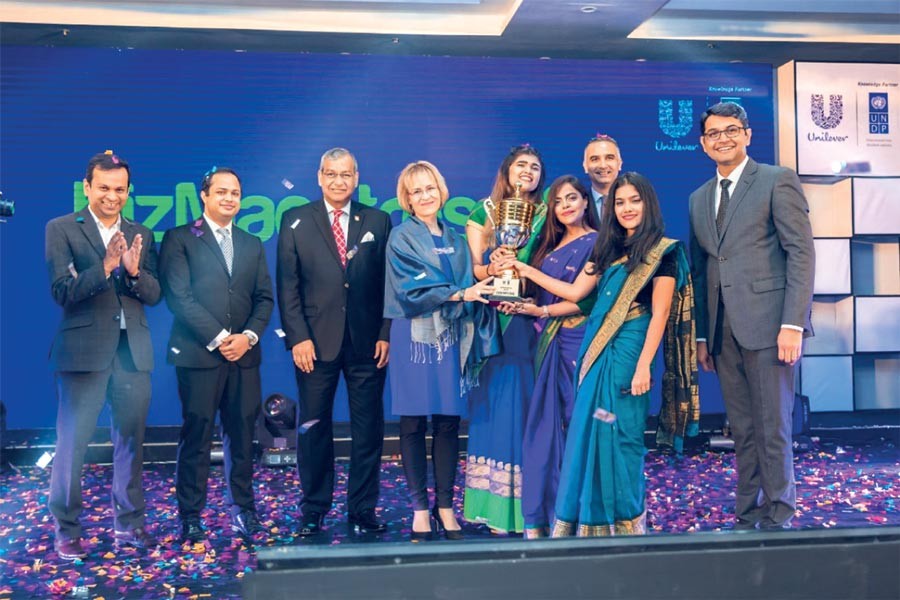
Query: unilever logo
828	120
878	113
675	129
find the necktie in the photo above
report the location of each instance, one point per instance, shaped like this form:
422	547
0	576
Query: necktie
339	237
227	247
723	205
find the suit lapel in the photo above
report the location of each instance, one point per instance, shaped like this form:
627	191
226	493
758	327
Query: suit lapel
91	232
209	238
709	209
240	249
740	192
357	220
321	219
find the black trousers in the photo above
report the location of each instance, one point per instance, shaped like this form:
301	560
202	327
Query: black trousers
315	445
444	457
234	393
81	398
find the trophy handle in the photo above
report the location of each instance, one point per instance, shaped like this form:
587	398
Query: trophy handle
489	209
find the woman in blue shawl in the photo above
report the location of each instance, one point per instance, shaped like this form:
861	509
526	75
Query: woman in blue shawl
439	336
644	297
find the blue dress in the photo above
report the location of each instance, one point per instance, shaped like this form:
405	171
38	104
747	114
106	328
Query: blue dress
424	388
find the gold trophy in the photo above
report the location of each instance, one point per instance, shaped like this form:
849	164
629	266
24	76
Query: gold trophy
512	219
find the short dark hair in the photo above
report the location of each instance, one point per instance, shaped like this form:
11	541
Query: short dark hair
207	179
724	109
106	161
602	137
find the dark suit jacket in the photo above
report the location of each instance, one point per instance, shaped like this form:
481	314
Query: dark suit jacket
88	335
316	296
764	261
205	299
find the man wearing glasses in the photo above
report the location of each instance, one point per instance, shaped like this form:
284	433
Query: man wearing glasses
330	280
752	264
602	163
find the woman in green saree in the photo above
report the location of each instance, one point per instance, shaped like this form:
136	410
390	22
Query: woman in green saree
644	298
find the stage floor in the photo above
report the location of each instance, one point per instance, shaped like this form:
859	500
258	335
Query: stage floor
837	487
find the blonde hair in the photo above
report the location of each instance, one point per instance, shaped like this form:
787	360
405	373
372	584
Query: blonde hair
408	172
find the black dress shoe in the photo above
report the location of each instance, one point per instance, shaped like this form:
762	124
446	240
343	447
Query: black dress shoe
247	524
136	538
192	531
449	534
311	524
366	522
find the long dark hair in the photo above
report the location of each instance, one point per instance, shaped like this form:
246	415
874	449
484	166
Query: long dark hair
613	241
553	231
502	189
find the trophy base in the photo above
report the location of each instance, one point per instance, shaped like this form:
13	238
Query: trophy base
494	299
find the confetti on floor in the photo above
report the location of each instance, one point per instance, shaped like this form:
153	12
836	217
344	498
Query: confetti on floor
853	487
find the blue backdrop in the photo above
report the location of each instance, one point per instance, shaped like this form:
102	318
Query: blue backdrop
174	114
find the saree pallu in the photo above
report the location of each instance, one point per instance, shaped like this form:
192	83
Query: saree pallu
602	485
551	403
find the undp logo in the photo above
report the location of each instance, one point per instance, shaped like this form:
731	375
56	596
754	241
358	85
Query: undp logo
667	121
878	113
835	114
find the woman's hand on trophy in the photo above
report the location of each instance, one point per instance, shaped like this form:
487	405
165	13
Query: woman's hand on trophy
479	290
501	258
524	269
508	308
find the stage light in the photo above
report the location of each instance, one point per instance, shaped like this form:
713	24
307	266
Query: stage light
7	207
280	411
276	431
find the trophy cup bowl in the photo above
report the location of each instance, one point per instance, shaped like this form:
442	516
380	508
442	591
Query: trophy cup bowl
512	219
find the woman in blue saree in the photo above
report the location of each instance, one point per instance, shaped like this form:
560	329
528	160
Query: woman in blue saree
566	242
439	337
497	407
645	297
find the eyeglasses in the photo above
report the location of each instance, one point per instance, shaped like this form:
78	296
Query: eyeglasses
417	194
331	175
730	132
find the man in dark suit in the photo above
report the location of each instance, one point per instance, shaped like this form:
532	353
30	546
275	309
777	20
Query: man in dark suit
217	285
753	264
330	294
102	271
602	163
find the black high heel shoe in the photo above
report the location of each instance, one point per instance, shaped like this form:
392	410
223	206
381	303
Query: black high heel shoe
449	534
421	536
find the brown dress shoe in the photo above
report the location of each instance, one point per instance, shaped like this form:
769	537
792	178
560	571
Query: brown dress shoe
136	538
69	549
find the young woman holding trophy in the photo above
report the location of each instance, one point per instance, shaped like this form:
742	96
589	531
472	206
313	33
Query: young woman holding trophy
566	241
439	337
644	297
496	408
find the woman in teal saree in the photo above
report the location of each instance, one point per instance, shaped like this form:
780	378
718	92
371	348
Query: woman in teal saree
645	298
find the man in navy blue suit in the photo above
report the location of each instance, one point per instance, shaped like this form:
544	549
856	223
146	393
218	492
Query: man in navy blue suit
217	285
331	265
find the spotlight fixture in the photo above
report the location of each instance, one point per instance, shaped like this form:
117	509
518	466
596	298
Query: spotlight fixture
276	431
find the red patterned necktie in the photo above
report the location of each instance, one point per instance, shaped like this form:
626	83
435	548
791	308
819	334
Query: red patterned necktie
339	237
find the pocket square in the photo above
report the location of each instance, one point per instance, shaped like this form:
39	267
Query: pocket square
368	237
